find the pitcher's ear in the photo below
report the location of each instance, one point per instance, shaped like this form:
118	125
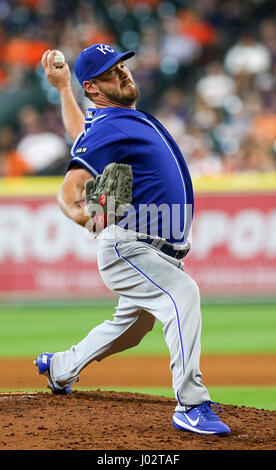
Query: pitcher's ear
90	87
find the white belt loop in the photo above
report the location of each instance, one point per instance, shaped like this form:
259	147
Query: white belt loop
159	243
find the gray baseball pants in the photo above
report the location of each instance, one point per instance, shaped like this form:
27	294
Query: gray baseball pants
151	286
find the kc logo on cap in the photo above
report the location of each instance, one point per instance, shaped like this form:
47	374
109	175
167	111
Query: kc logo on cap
104	48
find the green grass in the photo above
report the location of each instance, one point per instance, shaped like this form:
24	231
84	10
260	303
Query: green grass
27	330
239	328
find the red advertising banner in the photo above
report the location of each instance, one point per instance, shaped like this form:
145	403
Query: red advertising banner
42	253
234	244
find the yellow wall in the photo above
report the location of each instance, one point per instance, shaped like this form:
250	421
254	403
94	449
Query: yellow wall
240	182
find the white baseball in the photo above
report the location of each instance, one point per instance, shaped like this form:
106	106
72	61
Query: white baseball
59	59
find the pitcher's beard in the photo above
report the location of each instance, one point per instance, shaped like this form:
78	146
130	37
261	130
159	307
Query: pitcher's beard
125	98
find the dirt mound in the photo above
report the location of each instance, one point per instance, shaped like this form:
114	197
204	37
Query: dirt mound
101	420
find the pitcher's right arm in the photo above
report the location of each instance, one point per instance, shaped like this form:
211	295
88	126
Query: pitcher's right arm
60	78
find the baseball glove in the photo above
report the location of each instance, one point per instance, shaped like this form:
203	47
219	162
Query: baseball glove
109	195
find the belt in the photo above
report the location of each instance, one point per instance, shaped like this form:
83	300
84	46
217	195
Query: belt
166	248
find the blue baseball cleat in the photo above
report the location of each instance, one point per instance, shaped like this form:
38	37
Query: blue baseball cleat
43	364
200	419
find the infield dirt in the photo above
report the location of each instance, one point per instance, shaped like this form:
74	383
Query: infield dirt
100	420
108	420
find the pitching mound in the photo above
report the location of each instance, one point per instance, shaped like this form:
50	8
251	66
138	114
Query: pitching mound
101	420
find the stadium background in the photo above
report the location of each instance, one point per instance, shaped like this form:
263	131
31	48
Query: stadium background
206	69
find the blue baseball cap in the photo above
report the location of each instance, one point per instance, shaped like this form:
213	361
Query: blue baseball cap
97	59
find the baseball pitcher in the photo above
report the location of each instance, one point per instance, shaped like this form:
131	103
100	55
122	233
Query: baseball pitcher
139	203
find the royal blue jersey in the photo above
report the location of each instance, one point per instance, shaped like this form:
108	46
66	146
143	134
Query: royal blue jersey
162	197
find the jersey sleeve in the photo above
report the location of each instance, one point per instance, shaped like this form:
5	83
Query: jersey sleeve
101	145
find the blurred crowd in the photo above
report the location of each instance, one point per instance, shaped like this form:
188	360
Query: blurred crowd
205	68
